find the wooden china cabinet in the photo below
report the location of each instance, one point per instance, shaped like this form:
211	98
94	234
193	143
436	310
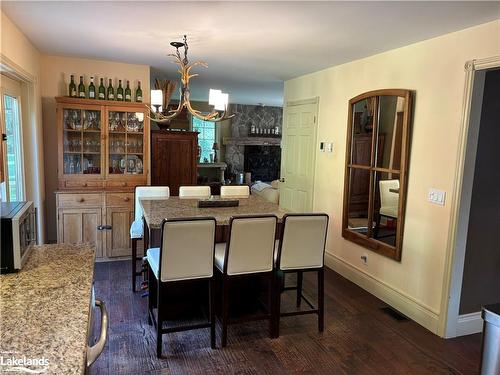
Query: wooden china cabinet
103	153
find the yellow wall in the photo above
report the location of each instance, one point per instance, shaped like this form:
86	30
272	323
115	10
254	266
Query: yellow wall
434	69
56	71
23	60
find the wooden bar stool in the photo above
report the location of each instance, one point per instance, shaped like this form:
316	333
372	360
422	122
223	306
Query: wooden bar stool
249	252
301	249
186	254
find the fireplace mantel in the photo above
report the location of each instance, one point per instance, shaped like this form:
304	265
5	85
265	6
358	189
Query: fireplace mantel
252	141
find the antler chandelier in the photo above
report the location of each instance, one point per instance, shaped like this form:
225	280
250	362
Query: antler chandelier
217	98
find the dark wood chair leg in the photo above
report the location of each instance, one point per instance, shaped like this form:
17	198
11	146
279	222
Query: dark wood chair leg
159	321
225	310
377	225
151	295
134	263
299	288
321	299
211	291
277	303
270	304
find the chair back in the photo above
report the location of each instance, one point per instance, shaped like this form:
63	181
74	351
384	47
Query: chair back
250	248
194	191
241	191
303	241
389	201
148	192
187	249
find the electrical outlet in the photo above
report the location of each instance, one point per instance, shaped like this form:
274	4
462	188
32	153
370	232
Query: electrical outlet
364	259
436	196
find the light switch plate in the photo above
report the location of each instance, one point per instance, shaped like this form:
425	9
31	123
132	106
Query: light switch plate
436	196
329	147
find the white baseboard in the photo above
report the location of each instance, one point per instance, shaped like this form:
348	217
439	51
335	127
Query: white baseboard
469	324
401	302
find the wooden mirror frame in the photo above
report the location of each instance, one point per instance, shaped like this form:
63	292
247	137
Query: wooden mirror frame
367	240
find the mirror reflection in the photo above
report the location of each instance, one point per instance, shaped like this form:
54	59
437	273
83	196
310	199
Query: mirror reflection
377	154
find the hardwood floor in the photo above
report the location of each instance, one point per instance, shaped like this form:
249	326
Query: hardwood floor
359	338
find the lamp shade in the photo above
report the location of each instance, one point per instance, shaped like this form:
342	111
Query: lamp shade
156	97
222	102
213	96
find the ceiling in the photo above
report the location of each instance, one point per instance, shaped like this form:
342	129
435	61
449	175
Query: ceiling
251	47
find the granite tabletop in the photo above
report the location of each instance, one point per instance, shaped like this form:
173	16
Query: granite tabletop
155	209
44	311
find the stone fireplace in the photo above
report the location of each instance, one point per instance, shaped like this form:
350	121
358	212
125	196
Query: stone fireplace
259	154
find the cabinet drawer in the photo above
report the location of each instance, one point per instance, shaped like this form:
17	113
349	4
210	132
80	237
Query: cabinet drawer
120	199
72	184
79	200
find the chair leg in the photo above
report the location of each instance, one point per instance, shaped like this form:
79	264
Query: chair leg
225	309
321	299
276	304
134	262
211	302
159	321
151	294
299	288
270	304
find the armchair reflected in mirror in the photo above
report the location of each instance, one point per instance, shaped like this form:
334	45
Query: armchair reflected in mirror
377	155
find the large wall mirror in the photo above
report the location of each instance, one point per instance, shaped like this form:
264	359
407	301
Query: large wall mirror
377	155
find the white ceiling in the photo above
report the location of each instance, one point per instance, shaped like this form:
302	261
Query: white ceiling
251	47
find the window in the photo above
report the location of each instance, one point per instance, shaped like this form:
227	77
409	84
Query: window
13	188
206	138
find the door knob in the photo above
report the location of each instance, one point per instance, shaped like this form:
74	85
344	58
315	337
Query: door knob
282	179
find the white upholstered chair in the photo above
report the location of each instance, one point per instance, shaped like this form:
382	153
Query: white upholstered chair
248	252
239	191
301	249
137	227
194	192
186	253
389	200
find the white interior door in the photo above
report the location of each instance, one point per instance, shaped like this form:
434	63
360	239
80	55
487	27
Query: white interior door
298	156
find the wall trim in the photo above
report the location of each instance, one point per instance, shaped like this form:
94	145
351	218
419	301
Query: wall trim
415	310
314	100
468	324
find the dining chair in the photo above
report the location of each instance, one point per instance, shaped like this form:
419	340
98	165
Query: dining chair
301	249
137	227
389	202
249	252
239	191
194	192
185	255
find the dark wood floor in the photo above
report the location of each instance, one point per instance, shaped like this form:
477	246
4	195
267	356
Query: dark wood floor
359	338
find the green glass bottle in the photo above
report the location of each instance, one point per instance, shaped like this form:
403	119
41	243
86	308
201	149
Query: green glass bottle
72	87
111	90
138	93
102	91
128	93
119	91
81	88
91	88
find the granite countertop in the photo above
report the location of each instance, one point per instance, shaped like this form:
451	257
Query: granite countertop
155	210
44	308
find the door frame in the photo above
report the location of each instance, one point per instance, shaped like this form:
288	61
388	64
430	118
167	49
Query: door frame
451	323
4	90
292	103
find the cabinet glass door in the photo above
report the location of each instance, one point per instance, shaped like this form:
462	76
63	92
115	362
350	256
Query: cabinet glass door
126	143
82	141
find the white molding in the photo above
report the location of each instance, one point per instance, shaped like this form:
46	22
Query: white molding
407	305
469	324
292	103
455	251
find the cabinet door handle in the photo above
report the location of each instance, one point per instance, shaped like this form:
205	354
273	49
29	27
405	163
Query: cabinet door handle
126	199
81	200
124	184
84	184
99	227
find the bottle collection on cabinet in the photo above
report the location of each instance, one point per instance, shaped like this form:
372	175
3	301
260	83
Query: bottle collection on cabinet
102	92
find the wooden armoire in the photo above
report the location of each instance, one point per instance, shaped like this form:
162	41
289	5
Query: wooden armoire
174	159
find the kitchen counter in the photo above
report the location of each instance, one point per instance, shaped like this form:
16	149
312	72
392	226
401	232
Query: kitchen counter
156	209
44	309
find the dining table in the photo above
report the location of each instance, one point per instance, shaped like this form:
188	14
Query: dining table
155	210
